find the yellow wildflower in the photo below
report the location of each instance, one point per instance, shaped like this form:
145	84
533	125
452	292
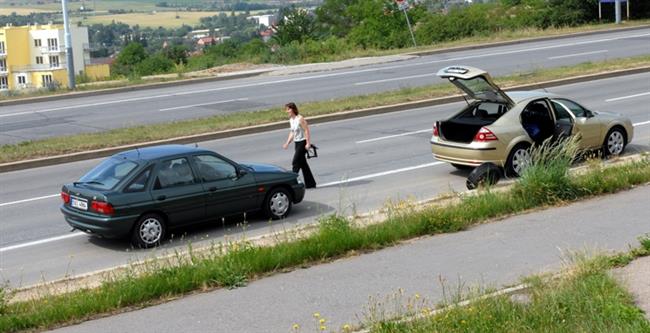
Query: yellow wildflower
316	315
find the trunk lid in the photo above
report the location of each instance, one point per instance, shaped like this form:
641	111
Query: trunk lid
476	83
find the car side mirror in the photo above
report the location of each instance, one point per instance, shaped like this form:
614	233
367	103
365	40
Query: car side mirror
241	172
589	114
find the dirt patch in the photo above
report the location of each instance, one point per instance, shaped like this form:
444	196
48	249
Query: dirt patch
229	68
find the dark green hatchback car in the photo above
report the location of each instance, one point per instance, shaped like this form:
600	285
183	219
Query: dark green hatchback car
141	193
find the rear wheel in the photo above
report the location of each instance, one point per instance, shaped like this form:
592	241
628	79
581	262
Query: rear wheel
615	142
277	204
148	231
518	159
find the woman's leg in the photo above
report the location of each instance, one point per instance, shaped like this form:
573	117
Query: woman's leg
300	162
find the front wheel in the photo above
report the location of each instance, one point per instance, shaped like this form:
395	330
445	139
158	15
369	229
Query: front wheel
518	160
148	231
614	142
277	204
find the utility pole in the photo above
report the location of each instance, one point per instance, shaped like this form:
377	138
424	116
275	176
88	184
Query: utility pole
618	11
404	5
68	45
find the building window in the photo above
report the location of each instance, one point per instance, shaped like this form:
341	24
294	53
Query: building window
22	79
37	42
4	84
39	60
52	44
54	61
47	80
3	65
2	47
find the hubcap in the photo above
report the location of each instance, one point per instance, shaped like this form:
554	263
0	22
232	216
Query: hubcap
520	160
279	204
615	143
150	230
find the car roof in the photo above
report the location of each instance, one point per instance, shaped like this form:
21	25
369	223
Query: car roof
519	96
156	152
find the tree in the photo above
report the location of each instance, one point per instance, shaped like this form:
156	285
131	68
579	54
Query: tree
131	56
295	25
176	53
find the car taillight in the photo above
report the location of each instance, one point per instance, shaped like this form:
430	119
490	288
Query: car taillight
65	197
485	135
102	207
435	130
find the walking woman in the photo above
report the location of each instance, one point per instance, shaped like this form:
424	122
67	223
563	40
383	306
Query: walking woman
299	134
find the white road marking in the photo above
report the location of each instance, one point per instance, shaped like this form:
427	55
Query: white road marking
40	241
328	75
394	79
203	104
627	97
577	54
380	174
28	200
394	136
641	124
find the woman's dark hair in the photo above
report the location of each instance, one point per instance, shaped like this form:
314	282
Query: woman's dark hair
293	107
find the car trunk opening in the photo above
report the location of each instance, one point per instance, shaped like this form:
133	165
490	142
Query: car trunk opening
464	126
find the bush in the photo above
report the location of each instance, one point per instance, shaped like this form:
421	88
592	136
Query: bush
155	64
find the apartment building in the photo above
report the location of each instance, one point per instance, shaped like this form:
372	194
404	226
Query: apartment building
35	56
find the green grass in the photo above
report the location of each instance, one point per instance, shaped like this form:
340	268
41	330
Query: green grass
138	134
232	265
586	299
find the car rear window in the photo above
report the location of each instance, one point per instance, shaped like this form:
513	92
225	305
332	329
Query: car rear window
108	174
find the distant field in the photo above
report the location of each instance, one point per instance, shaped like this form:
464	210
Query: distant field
20	10
159	19
99	5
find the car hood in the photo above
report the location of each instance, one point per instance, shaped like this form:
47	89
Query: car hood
609	115
260	167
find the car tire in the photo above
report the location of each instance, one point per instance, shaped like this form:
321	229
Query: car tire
517	160
277	203
615	142
462	166
486	174
149	231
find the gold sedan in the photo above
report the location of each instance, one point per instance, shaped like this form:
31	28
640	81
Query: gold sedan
500	127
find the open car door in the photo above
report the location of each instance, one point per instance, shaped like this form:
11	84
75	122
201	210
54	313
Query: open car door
476	83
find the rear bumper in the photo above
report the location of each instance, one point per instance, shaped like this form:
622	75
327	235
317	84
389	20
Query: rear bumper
469	154
106	226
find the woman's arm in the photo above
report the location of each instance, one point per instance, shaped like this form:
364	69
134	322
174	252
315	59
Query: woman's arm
286	144
305	128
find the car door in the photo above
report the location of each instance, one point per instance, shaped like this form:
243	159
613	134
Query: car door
229	188
586	125
177	192
563	121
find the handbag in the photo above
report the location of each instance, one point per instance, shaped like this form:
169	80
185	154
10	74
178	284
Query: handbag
312	152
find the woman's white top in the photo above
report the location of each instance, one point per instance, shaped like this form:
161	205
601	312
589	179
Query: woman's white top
298	133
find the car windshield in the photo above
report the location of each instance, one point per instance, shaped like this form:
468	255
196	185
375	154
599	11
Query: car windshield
107	174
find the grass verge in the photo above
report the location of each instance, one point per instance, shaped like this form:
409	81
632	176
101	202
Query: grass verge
138	134
232	265
584	299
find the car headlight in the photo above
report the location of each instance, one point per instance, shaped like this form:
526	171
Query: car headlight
298	180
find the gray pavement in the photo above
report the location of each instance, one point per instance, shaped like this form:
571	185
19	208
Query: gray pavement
491	255
636	278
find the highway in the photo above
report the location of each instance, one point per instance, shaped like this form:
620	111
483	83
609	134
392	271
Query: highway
32	121
363	163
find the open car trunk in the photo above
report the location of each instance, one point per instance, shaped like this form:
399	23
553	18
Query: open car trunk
464	126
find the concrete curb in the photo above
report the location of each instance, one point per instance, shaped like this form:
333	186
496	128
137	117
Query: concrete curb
66	158
145	86
527	40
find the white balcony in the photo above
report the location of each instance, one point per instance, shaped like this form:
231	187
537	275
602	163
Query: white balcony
39	67
4	71
3	53
52	49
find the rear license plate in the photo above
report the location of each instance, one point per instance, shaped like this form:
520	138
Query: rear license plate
79	203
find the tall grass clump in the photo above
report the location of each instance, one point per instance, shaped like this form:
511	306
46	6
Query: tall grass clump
546	179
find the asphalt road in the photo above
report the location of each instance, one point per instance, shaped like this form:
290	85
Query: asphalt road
492	255
364	162
98	113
